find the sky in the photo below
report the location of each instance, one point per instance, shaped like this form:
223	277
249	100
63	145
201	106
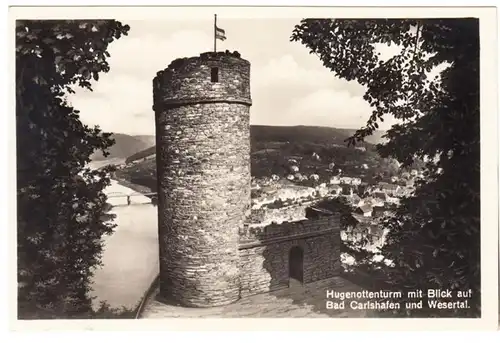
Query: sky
289	86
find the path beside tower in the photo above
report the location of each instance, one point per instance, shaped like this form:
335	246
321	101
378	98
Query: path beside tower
308	301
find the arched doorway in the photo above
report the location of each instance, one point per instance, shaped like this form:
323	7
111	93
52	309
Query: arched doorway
296	264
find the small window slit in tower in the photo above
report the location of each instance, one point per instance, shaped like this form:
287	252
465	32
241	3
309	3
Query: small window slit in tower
215	74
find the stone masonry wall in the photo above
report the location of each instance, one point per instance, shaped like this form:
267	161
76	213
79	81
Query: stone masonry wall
265	216
203	154
264	263
287	229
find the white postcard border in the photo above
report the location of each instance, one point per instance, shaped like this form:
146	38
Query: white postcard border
489	170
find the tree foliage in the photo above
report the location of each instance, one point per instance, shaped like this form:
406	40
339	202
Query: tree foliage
434	237
60	200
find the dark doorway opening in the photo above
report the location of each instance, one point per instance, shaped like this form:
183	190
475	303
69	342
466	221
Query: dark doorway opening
215	74
296	264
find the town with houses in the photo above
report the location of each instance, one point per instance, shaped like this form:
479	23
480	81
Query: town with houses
278	199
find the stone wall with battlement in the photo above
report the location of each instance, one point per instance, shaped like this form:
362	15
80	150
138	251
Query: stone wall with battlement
251	234
265	253
265	216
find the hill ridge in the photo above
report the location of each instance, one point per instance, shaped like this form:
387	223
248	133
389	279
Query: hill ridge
135	147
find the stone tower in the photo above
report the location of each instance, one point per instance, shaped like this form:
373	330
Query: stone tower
202	110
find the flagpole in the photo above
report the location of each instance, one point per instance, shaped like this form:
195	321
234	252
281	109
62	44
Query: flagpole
215	32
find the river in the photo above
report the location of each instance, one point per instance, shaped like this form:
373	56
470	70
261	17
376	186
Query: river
130	256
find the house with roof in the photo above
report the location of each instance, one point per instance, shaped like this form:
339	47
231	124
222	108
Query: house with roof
365	210
380	195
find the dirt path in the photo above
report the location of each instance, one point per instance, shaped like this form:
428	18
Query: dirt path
307	301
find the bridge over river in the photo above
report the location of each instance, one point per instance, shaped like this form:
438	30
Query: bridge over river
119	195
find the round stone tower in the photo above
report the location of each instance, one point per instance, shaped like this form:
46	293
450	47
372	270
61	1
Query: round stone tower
202	106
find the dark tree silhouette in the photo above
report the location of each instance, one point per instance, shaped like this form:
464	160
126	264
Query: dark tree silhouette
60	201
435	235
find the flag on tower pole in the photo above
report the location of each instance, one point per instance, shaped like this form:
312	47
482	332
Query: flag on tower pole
218	33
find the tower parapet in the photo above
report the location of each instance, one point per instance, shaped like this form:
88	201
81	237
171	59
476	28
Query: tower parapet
211	77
